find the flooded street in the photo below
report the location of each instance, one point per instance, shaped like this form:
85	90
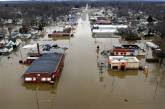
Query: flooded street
81	85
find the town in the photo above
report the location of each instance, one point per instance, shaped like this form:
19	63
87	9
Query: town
82	54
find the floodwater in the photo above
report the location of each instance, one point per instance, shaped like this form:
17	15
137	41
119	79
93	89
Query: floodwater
82	85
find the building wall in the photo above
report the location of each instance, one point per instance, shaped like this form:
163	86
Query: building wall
114	65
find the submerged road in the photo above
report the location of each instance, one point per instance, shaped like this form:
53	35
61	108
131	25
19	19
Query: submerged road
81	86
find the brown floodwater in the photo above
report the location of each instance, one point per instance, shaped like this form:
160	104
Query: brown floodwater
81	85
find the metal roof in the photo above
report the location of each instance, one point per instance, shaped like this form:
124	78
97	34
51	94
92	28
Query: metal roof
47	63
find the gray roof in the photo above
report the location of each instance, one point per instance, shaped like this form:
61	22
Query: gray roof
47	63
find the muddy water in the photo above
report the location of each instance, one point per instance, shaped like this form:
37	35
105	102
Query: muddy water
81	86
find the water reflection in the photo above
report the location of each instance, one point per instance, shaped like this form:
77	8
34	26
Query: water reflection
101	77
155	90
158	76
37	88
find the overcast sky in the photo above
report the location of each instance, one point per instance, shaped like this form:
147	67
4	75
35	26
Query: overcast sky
82	0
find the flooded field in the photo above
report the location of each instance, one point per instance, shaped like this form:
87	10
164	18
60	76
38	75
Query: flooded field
81	85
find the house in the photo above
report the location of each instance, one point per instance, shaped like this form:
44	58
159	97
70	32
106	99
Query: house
67	31
46	68
123	62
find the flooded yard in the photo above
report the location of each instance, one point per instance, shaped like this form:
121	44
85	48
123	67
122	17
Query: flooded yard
81	85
